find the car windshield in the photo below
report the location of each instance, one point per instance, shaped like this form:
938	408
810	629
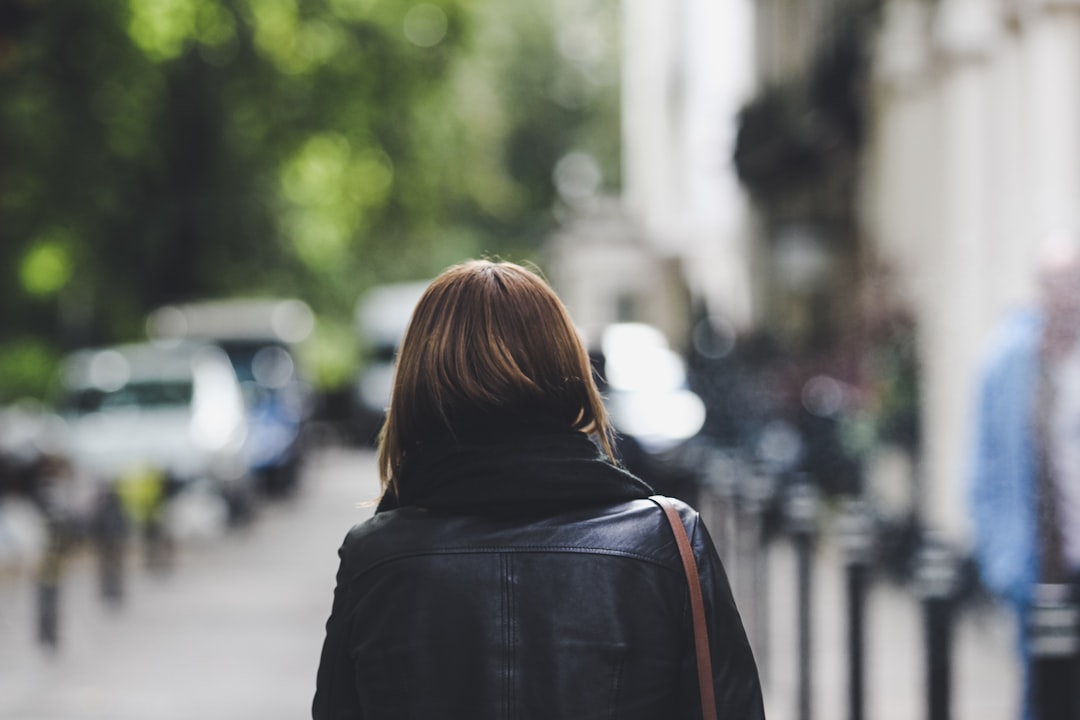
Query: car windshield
135	394
242	355
266	363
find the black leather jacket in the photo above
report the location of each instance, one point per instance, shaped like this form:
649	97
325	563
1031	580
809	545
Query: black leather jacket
581	613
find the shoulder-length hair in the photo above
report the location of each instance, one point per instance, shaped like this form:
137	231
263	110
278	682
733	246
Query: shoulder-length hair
489	347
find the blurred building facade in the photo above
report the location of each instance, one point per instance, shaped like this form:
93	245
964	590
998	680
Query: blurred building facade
802	165
798	155
679	228
973	156
921	148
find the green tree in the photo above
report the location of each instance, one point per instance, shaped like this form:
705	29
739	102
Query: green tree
154	151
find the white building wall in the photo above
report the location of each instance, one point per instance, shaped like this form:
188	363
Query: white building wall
964	33
1009	280
715	213
899	169
650	90
975	154
687	71
1053	79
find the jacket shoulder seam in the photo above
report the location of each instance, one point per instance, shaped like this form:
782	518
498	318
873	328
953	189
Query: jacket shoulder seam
515	549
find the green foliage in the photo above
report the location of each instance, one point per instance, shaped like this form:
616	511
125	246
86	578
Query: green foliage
26	368
166	150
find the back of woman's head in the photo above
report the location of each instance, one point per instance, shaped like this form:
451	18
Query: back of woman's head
489	348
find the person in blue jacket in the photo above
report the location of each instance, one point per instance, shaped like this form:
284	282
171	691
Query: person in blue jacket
1025	468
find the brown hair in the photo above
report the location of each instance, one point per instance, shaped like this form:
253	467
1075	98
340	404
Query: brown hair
489	346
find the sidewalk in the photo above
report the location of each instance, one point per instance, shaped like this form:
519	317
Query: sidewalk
986	677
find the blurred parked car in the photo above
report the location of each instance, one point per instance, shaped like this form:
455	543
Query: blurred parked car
259	337
382	316
654	413
156	419
646	391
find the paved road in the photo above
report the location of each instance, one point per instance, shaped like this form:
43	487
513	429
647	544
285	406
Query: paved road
234	633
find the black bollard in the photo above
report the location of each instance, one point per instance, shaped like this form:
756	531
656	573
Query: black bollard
48	605
50	572
48	587
1052	628
802	515
111	538
756	492
722	474
856	536
936	578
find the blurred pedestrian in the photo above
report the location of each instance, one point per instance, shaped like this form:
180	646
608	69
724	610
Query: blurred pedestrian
511	568
1025	482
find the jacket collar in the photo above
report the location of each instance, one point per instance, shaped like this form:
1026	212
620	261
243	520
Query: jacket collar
512	473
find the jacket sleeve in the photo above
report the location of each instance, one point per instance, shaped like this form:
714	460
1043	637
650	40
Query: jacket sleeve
336	696
735	676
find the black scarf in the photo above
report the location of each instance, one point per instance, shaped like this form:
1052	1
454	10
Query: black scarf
512	474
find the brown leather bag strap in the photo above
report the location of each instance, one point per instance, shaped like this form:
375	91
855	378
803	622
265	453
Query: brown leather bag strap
697	608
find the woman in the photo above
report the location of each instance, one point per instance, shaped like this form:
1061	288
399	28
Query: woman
511	570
